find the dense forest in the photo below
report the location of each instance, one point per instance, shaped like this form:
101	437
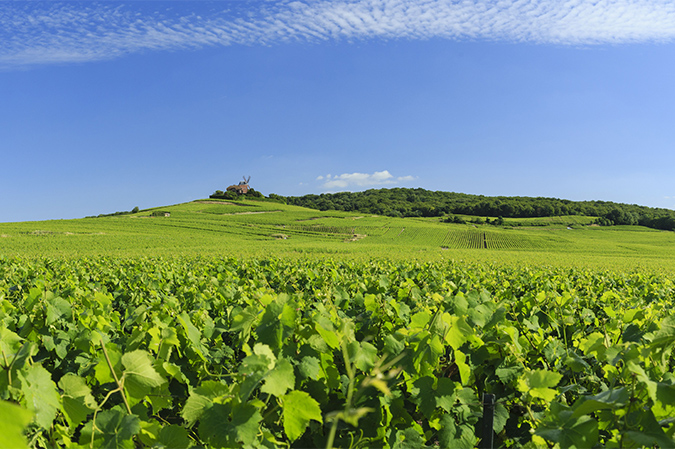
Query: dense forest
406	202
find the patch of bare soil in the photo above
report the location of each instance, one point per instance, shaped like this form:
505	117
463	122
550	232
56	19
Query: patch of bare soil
356	237
213	202
250	212
4	235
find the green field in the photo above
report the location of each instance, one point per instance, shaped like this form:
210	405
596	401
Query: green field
254	324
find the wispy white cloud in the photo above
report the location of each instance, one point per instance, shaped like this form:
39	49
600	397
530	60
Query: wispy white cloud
48	32
362	180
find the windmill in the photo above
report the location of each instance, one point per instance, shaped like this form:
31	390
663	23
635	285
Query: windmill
242	187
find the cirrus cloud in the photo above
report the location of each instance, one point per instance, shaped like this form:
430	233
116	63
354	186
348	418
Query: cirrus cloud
362	180
57	32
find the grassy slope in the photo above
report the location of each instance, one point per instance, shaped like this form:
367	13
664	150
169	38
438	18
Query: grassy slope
254	228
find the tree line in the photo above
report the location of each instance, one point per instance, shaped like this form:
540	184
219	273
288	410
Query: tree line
408	202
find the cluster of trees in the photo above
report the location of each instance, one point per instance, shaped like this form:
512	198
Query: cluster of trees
231	195
405	202
632	215
118	213
478	220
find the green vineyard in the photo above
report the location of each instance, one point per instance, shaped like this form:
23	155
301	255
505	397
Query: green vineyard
213	352
261	325
482	239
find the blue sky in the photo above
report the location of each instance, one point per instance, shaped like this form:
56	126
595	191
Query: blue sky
109	105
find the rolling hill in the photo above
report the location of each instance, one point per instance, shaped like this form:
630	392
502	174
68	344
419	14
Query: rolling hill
255	228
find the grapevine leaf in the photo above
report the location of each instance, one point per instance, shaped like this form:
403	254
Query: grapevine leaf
194	407
538	383
174	371
497	317
254	368
202	398
14	420
149	432
242	320
464	368
594	345
174	436
325	328
261	360
664	405
363	355
280	379
270	329
265	351
610	399
193	334
445	393
508	372
40	394
458	332
393	346
428	399
458	304
10	342
328	367
419	320
102	370
223	426
567	429
370	302
454	436
408	438
160	398
651	439
310	368
102	299
114	429
14	351
500	418
632	333
665	337
57	308
298	409
666	334
480	314
423	393
140	375
277	323
576	363
77	400
649	432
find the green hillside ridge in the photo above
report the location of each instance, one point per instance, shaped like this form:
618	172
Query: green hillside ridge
250	227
